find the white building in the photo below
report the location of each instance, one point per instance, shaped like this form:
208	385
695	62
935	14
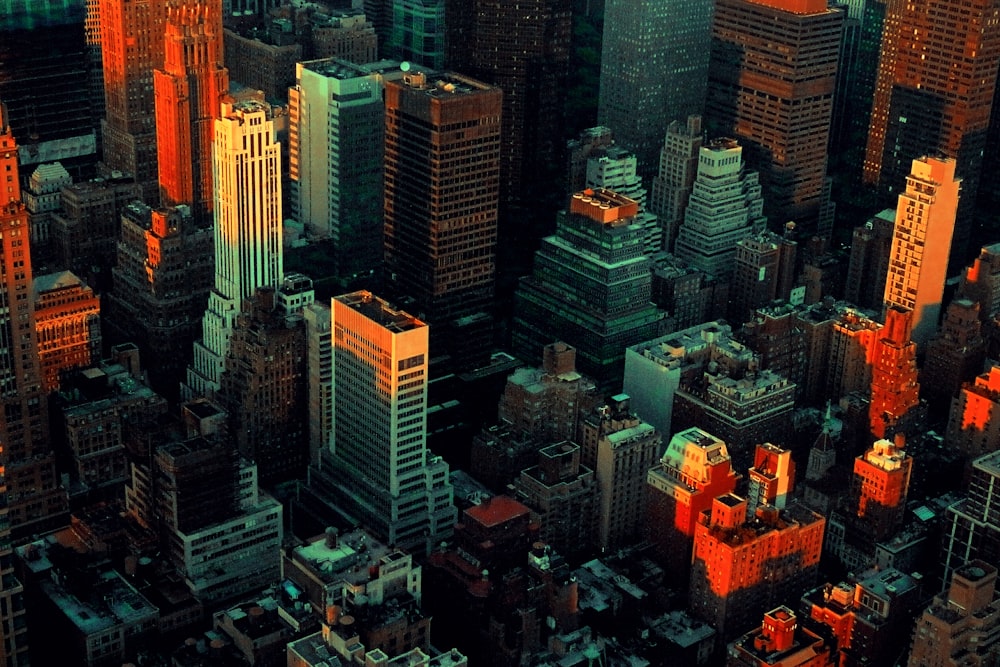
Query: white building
921	240
384	473
725	207
248	231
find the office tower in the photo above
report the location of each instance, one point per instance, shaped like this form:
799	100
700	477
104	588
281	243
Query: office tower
871	245
894	388
67	325
347	34
725	206
263	388
591	287
921	241
690	296
441	205
578	152
44	72
85	231
770	478
132	35
933	95
418	32
524	50
781	640
336	177
961	625
620	448
562	493
763	271
381	471
974	422
971	526
741	567
955	355
248	251
188	91
981	282
319	366
33	494
614	168
260	65
42	196
775	334
852	345
694	471
771	82
654	68
879	486
673	183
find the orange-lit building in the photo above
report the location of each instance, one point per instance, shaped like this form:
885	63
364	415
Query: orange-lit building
933	95
740	567
881	481
781	641
188	91
894	388
974	425
132	34
770	478
67	324
694	470
772	76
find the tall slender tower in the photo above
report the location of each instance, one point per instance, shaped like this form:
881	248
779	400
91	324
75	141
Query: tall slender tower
771	82
248	253
934	94
894	388
654	68
442	176
188	93
132	34
32	487
383	470
921	242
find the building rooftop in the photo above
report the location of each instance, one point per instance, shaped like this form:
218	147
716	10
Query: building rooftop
111	601
380	311
603	205
497	510
53	281
682	629
345	557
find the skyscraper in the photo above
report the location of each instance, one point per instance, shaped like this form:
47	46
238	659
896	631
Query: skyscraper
442	174
921	241
934	94
32	491
654	68
894	388
671	189
418	32
380	467
771	82
336	144
132	35
248	250
188	91
972	525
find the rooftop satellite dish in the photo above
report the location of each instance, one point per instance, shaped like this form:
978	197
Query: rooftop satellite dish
404	66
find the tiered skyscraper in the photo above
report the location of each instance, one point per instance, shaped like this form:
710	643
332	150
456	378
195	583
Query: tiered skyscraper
378	465
671	189
189	90
934	94
921	240
771	81
442	177
132	36
654	67
248	250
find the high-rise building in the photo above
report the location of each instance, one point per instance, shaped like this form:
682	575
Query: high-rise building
921	241
380	468
871	244
972	525
441	206
894	389
591	287
614	168
346	34
654	68
336	177
771	82
132	35
188	93
770	478
725	206
955	355
261	65
962	625
42	195
741	567
879	487
673	183
981	282
524	49
248	246
67	324
418	32
31	486
933	95
694	471
974	423
578	152
763	270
